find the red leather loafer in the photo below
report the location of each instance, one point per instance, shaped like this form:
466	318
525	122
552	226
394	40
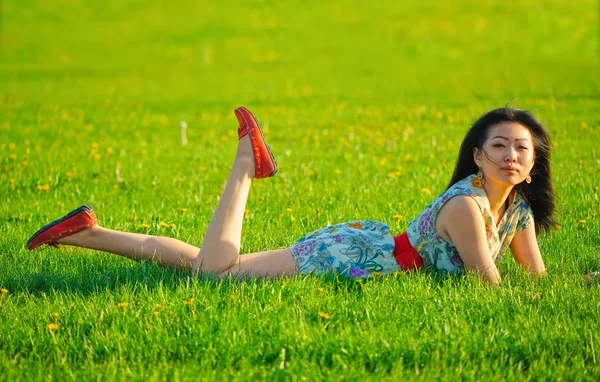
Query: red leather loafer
77	220
263	159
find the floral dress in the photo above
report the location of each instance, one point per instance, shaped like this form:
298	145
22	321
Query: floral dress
440	255
356	250
365	248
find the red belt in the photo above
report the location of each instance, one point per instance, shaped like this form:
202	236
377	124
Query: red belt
405	254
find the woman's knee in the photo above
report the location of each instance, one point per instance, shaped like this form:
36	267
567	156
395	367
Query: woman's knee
213	263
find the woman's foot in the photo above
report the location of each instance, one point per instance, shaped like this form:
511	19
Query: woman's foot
78	220
264	162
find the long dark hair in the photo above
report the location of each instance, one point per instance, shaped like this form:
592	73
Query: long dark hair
539	193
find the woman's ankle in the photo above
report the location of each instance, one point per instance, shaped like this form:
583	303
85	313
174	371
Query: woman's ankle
80	238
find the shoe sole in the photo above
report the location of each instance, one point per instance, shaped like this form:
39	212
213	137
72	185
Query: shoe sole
274	172
85	207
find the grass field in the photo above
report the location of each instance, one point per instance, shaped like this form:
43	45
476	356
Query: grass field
364	105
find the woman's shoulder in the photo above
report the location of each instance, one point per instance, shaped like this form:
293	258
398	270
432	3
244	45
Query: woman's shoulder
523	212
469	186
472	190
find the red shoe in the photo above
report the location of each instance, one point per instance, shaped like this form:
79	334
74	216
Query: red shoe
73	222
263	159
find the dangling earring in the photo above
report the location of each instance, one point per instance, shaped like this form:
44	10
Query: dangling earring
479	175
528	179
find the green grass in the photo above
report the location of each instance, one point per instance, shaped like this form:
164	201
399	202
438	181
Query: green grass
364	106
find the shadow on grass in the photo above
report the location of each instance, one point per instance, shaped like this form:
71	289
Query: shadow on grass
98	278
89	274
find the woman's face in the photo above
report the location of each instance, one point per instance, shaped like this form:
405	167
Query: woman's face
510	154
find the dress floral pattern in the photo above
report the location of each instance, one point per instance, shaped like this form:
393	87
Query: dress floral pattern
359	249
441	256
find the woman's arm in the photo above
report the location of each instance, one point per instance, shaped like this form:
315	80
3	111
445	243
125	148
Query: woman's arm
460	221
526	252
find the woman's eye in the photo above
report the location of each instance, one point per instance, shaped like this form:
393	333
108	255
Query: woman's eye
498	145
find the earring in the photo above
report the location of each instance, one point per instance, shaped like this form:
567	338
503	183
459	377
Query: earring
479	175
528	179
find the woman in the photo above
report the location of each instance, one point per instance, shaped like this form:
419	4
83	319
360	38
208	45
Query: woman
501	184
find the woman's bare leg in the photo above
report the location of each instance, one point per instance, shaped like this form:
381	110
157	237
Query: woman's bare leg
163	250
275	263
221	246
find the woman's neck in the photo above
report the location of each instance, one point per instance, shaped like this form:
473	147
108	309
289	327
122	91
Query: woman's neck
497	195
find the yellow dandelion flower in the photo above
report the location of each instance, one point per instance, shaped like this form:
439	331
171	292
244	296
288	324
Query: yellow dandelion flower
122	305
163	224
376	274
4	291
11	181
324	316
408	158
94	145
12	157
189	302
184	210
581	221
155	313
338	171
398	273
54	315
11	145
288	209
397	216
145	226
426	191
53	327
43	187
320	289
158	306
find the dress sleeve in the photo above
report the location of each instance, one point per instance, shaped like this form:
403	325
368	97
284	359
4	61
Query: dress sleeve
525	216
